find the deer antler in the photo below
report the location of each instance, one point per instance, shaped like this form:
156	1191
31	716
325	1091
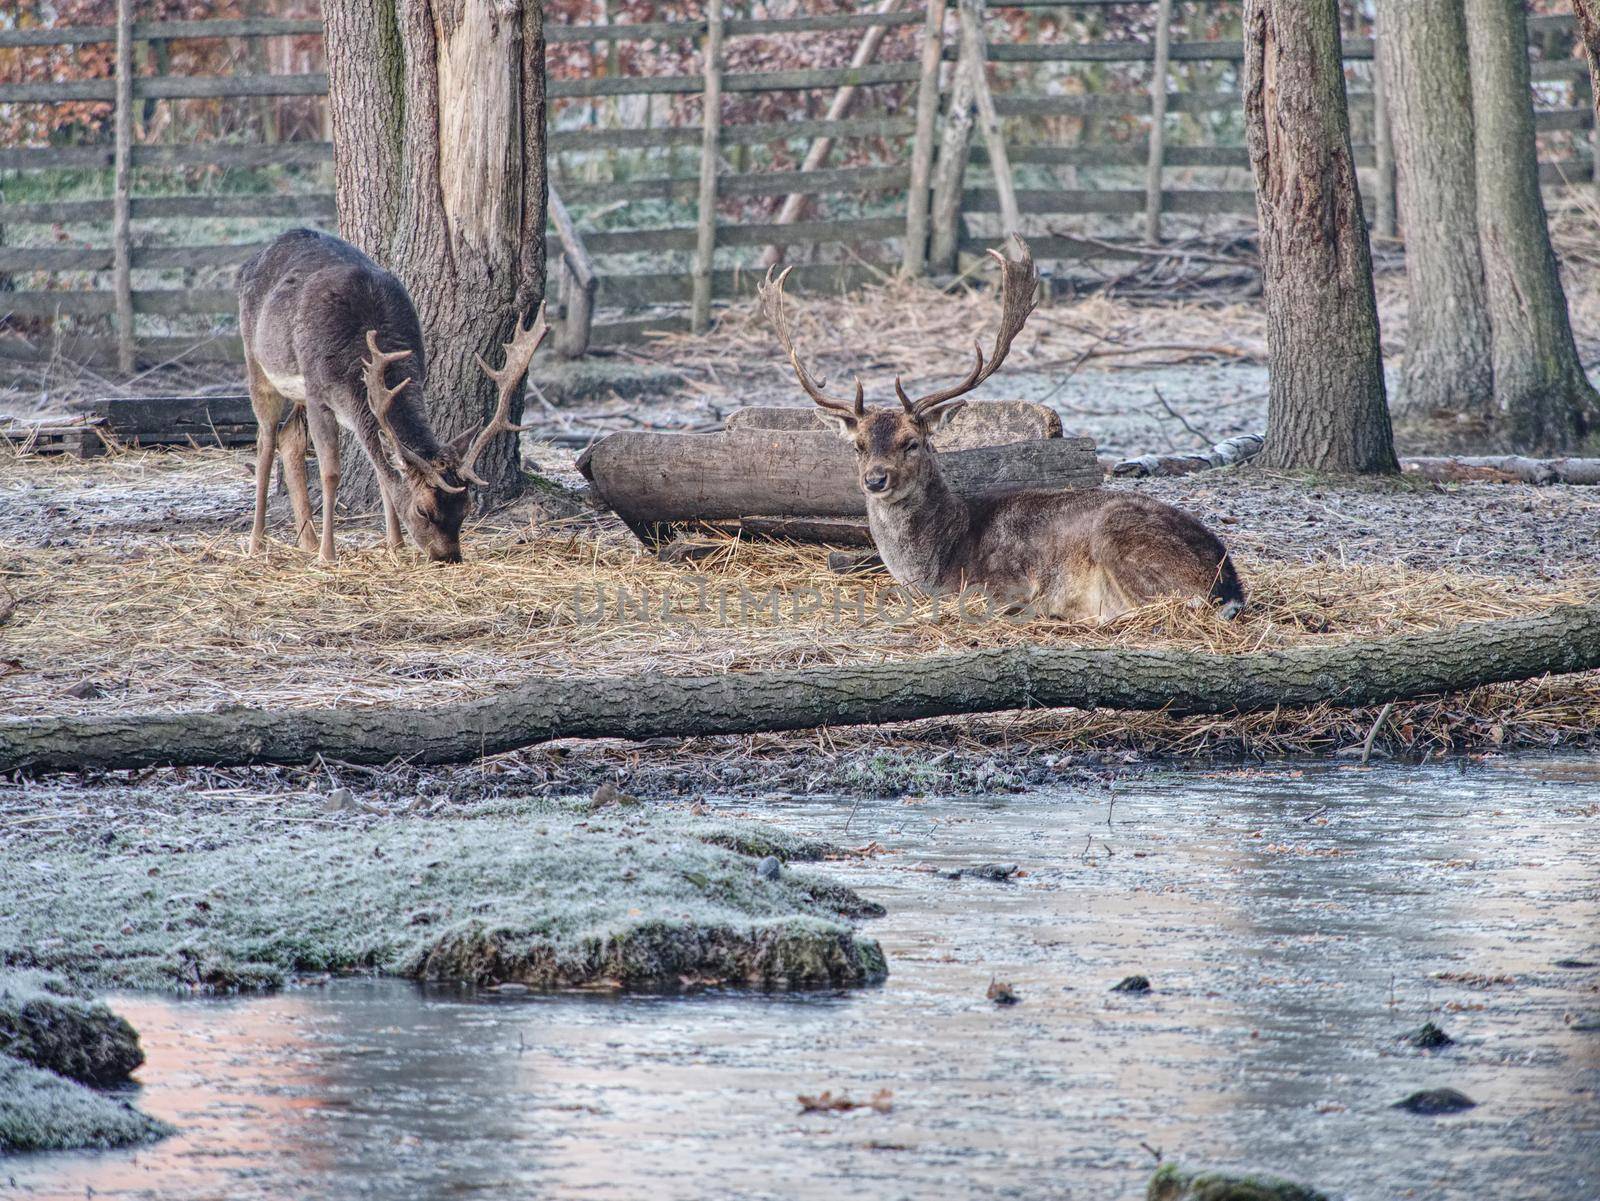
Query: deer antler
772	307
1018	283
519	353
380	398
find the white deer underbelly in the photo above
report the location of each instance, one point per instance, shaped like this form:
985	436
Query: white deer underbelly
290	387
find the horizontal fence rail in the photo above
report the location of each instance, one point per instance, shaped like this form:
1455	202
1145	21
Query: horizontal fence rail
80	283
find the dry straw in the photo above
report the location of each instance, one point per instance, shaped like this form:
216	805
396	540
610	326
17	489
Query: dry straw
162	625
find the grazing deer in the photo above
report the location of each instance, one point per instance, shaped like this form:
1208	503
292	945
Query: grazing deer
1096	554
316	314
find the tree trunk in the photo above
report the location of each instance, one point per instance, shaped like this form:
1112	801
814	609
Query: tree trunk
438	114
1448	365
1541	393
653	706
1326	407
1589	30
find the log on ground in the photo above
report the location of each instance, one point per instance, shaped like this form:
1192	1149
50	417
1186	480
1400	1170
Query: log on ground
1567	639
648	477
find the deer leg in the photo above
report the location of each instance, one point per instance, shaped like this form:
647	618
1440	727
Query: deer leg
266	447
325	436
268	408
391	521
292	445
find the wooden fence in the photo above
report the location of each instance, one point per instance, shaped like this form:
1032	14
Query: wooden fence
1007	177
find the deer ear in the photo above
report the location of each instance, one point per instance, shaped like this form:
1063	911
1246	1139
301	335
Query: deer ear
941	416
843	423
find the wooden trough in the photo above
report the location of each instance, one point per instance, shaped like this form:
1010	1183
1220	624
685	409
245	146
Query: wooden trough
225	420
781	472
76	439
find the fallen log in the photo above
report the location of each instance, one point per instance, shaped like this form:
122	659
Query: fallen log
648	477
1240	449
1566	639
981	423
1514	469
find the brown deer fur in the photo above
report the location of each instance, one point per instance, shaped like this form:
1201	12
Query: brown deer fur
1095	554
331	341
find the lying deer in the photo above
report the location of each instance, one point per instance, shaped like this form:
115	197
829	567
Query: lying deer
316	314
1097	553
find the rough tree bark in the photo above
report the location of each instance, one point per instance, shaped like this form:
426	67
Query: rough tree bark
1326	405
1541	394
1566	639
1448	366
438	114
1589	30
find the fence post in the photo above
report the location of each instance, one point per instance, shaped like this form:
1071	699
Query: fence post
915	257
972	32
121	207
1382	146
705	249
1158	123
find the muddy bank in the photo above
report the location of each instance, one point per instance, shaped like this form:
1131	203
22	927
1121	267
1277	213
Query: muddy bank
535	893
54	1042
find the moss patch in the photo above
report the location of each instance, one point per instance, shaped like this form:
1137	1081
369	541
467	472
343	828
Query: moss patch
40	1111
1172	1183
541	893
44	1022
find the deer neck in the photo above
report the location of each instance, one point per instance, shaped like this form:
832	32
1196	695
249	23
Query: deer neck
917	535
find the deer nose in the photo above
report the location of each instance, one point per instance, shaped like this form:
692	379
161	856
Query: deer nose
876	480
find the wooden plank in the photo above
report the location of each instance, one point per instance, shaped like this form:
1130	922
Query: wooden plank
914	256
1056	201
167	87
648	477
979	423
705	250
223	420
683	238
746	81
667	287
754	133
767	183
165	31
616	333
53	438
578	281
121	236
1158	122
266	205
951	168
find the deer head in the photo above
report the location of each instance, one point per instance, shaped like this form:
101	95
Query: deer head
893	456
432	492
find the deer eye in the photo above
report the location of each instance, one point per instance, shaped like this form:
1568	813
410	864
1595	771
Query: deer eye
912	445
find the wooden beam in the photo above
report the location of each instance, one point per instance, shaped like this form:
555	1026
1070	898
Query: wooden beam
710	150
121	215
1158	123
915	255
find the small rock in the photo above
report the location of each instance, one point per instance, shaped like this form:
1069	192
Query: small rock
984	871
769	868
1132	984
1576	963
608	794
340	800
1427	1036
84	690
1587	1022
1435	1100
1001	993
